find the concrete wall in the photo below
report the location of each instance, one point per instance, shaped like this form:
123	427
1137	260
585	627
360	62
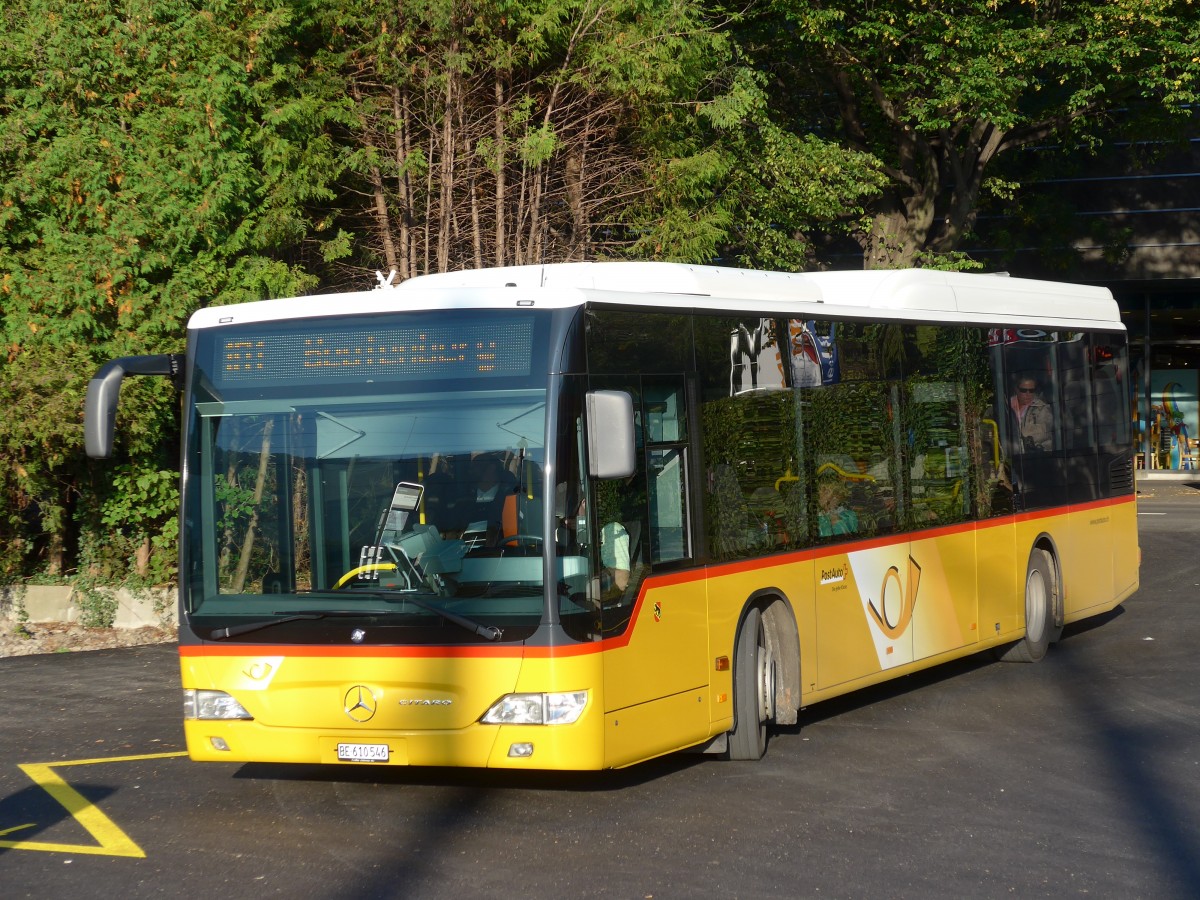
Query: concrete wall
59	603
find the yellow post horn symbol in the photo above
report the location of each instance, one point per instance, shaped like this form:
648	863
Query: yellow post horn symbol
895	626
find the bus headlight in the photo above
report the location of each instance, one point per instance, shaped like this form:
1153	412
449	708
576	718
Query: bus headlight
537	709
212	705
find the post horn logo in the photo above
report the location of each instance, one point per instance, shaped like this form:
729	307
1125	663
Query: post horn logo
897	601
360	703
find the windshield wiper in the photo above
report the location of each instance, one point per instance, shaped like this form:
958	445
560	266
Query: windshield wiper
229	631
490	632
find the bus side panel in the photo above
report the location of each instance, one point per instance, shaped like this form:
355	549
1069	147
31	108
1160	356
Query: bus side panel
945	599
1100	534
1127	555
642	732
1087	551
1000	584
889	605
728	594
855	592
663	659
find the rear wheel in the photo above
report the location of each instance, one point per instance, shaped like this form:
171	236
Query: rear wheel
753	689
1041	590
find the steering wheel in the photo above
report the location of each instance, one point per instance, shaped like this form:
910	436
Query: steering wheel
531	541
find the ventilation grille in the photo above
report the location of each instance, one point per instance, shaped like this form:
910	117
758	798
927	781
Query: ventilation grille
1120	475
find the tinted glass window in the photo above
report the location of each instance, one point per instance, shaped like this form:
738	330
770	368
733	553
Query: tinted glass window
750	438
847	375
1034	413
621	341
948	395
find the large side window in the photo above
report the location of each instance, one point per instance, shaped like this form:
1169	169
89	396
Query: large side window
846	376
1035	416
1080	457
664	428
948	398
753	503
1112	394
1112	391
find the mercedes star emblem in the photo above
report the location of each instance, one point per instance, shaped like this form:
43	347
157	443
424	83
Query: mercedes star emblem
360	704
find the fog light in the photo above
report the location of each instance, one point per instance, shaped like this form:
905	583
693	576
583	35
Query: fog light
520	751
219	744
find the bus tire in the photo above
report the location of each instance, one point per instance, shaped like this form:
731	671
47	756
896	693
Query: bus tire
1041	590
753	689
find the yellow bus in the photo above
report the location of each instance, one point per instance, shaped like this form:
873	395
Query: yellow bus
578	516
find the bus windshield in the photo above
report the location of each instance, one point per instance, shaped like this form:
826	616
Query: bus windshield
408	503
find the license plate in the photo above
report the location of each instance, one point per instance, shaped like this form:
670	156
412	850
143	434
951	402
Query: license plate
362	752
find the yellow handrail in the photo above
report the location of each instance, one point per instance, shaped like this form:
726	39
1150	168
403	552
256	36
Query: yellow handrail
848	476
371	567
788	477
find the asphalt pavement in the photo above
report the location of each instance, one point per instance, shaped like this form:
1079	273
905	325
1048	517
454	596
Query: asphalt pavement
1079	775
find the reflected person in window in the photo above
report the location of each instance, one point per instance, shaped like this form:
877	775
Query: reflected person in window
834	517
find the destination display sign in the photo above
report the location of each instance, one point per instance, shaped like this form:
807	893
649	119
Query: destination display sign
456	348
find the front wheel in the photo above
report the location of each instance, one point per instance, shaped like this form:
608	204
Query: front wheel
753	690
1041	588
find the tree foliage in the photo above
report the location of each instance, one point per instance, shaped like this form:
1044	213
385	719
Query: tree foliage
157	156
495	132
154	157
936	91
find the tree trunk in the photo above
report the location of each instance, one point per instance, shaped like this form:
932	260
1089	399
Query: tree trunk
56	555
404	194
264	458
573	183
446	177
501	183
382	220
905	218
141	561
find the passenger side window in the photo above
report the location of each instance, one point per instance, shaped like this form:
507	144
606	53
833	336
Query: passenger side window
752	484
848	398
948	390
1034	411
664	428
1110	371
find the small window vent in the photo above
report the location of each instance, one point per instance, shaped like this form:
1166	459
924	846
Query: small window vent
1120	475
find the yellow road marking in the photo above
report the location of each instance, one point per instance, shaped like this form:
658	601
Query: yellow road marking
111	840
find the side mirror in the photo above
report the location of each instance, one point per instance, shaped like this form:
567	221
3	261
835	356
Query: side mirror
611	450
100	407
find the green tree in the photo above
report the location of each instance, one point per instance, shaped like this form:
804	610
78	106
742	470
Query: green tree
766	186
499	132
937	91
155	156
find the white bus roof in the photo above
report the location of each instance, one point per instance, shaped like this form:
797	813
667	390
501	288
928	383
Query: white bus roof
899	294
